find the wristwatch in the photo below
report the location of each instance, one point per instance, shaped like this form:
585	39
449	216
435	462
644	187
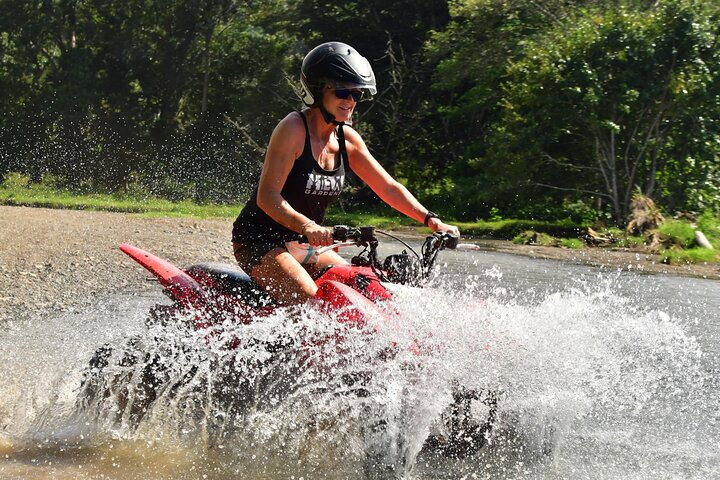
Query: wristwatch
428	216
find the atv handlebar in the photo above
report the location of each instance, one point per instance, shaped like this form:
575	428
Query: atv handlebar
362	236
344	235
355	235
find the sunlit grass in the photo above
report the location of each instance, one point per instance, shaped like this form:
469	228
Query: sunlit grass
337	217
677	233
630	241
709	224
511	228
16	190
573	243
692	255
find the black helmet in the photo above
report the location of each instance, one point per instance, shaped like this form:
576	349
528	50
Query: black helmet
334	63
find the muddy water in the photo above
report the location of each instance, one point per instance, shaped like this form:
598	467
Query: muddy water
598	374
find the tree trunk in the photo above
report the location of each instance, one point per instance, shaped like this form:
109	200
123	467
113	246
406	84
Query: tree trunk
206	72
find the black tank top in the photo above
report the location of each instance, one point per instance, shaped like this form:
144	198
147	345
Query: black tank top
309	189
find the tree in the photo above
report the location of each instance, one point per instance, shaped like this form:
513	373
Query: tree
614	100
469	61
102	90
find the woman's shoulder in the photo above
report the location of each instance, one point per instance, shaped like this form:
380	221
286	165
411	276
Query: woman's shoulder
291	127
353	137
293	120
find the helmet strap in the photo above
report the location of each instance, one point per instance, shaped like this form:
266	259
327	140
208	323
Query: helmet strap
328	117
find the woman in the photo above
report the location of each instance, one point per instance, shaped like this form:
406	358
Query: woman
304	170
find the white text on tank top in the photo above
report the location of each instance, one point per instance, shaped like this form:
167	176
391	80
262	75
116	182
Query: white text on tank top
324	185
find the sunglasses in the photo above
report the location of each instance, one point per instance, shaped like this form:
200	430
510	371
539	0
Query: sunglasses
344	93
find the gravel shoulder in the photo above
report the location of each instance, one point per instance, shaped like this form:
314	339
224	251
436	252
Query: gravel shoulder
60	260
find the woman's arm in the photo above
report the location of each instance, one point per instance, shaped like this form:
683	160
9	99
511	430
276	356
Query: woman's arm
387	188
286	145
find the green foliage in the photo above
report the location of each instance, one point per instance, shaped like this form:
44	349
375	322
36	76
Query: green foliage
582	102
551	111
677	233
381	221
17	189
525	238
531	237
630	241
709	224
572	243
693	255
15	181
113	90
511	228
470	60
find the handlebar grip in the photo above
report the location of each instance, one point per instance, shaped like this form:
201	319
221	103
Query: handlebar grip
340	234
445	240
343	233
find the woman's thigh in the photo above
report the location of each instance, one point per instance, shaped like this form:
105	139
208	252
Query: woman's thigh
284	278
248	255
330	258
325	260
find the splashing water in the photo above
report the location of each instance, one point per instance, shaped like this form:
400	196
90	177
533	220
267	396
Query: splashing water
585	379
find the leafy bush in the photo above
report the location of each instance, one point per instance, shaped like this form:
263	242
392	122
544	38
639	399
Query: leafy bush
16	183
580	212
15	180
677	233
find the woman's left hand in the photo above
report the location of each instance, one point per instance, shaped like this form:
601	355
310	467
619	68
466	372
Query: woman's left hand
436	225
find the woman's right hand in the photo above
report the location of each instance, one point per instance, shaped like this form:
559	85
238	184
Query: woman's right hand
318	235
437	225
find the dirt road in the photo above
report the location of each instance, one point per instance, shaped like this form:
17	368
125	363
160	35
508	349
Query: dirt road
56	260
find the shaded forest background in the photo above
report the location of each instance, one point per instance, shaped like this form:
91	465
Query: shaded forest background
545	109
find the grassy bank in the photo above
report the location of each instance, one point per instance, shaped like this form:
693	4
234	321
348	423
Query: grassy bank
17	190
677	237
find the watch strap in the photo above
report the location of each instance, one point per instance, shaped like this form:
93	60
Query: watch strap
428	216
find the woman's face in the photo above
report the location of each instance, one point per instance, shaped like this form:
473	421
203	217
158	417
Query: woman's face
340	102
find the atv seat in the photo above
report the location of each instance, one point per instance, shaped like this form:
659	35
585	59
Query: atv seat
231	280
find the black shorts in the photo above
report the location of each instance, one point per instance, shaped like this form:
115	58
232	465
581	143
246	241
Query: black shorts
249	254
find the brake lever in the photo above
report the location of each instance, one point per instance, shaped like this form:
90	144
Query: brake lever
327	248
446	240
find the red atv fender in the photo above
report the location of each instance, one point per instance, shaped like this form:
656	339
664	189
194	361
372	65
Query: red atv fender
350	306
181	285
361	279
353	308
